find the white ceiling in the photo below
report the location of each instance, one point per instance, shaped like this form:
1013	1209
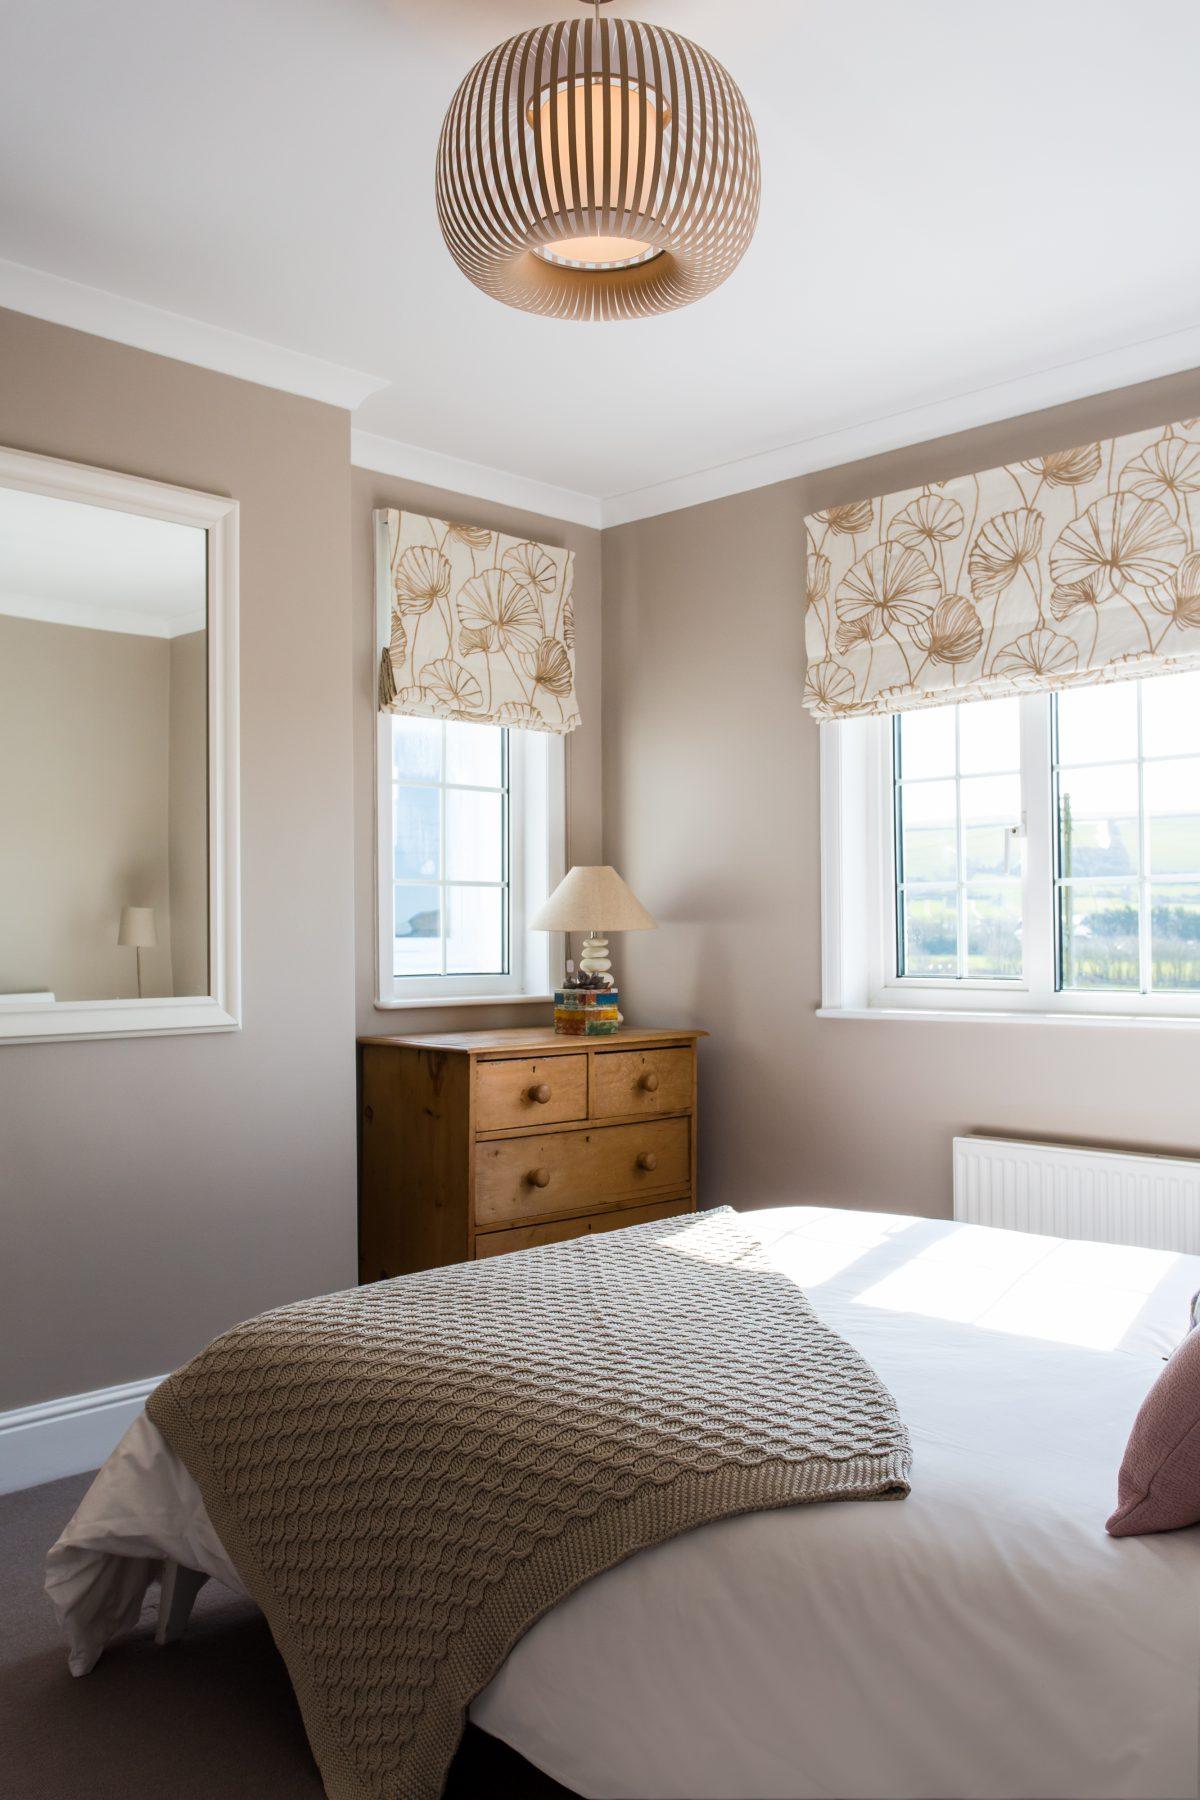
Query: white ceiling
71	564
967	210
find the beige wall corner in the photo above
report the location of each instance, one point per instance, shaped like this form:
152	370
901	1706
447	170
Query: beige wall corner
187	812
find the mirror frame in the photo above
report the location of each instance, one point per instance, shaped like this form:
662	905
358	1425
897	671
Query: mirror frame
221	1008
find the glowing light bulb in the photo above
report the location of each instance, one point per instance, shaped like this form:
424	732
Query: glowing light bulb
620	181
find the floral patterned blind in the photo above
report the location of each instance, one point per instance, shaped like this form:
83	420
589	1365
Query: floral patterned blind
1076	567
475	625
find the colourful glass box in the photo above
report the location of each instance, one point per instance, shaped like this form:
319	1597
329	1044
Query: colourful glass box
586	1012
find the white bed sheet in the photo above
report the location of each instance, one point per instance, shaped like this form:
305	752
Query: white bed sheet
983	1639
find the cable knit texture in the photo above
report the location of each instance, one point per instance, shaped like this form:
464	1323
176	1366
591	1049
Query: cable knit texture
408	1475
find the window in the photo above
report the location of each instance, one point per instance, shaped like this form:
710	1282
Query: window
958	842
451	845
1036	854
467	848
1127	841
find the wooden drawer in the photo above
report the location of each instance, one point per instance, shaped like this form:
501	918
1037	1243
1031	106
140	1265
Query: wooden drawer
576	1171
637	1081
543	1092
527	1237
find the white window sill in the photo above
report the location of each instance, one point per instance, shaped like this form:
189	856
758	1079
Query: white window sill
966	1016
441	1001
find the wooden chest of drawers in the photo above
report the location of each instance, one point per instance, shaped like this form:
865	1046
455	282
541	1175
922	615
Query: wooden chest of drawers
477	1142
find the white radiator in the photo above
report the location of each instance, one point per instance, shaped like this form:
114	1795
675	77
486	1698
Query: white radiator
1153	1201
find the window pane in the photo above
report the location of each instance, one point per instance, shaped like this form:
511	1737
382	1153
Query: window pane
416	748
474	754
1099	935
1172	792
1175	937
1098	821
474	931
991	818
994	933
417	949
417	832
929	830
989	736
1098	724
927	743
930	933
474	836
1171	715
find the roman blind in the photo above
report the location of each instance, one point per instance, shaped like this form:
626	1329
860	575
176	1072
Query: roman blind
1079	566
475	625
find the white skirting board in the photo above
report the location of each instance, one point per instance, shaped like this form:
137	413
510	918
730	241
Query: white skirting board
67	1436
1108	1196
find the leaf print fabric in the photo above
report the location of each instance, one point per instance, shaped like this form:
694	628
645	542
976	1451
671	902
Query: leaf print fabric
480	627
1073	567
891	585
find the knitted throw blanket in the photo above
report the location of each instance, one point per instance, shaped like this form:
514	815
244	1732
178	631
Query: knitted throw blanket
408	1475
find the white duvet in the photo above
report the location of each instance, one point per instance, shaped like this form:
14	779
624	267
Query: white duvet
982	1638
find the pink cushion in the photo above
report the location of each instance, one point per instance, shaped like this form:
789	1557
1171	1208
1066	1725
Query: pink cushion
1158	1488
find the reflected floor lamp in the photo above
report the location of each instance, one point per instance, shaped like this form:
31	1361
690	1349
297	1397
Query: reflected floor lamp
137	933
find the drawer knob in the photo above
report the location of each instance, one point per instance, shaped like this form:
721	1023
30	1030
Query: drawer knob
539	1177
649	1081
647	1160
540	1093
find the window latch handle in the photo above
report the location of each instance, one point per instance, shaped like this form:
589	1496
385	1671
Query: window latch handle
1013	834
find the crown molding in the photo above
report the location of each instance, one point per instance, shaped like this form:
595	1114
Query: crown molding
94	615
63	302
1148	360
151	328
388	456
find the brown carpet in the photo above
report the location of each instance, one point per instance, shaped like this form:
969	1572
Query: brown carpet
210	1718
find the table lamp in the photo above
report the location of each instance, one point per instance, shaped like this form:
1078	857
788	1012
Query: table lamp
594	900
137	933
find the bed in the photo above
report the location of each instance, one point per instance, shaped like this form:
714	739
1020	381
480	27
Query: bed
982	1638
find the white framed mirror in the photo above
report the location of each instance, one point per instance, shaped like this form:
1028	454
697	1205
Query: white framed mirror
119	864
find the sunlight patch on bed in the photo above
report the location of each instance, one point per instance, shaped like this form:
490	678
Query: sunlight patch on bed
831	1241
809	1245
1027	1286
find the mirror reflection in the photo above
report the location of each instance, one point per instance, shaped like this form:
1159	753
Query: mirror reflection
103	753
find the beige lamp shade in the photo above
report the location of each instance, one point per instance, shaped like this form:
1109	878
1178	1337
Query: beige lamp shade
592	899
137	928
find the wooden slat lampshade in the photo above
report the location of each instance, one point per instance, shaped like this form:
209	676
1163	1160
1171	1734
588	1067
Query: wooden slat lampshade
598	169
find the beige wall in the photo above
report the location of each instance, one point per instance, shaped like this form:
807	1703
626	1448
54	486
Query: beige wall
83	807
711	814
187	821
103	796
371	491
151	1192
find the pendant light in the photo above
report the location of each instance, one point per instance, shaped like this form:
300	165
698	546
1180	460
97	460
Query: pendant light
597	168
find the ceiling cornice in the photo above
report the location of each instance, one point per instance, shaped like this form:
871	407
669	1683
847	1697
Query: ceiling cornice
106	315
388	456
1171	354
151	328
95	615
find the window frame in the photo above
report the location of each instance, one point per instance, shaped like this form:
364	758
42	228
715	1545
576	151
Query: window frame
859	976
536	841
537	813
